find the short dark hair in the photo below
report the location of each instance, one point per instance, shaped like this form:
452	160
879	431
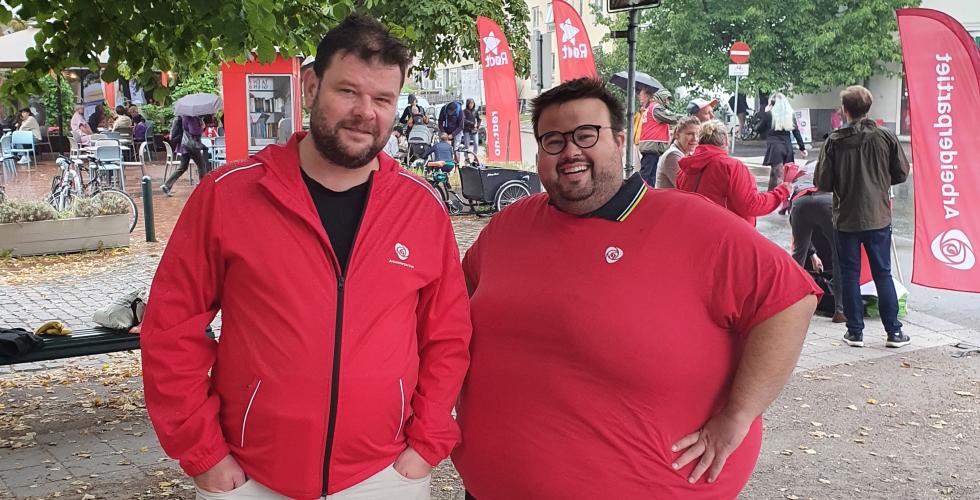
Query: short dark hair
364	37
581	88
120	110
26	110
856	100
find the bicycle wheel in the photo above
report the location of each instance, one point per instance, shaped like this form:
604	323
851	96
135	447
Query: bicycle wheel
454	203
510	192
115	196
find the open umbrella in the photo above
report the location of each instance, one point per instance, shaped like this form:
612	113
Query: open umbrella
197	105
643	80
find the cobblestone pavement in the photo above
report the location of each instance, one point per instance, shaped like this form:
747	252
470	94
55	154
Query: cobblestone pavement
88	435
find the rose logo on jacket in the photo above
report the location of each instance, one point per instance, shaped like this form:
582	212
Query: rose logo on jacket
613	254
954	249
401	251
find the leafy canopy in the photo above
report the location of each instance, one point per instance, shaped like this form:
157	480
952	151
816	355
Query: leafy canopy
191	36
797	47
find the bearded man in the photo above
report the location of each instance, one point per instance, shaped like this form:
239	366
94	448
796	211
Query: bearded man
345	323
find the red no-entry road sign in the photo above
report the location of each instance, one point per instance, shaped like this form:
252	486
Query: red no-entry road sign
739	53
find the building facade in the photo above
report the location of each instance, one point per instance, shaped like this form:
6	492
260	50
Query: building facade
889	91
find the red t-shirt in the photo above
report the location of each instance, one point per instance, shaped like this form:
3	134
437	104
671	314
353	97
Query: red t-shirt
598	344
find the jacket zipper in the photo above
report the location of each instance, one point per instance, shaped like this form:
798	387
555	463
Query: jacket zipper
401	414
248	409
339	326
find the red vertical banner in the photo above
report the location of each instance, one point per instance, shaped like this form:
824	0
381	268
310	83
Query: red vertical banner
500	84
574	48
942	71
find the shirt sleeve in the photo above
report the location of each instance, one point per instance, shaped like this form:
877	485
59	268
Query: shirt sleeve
823	175
753	279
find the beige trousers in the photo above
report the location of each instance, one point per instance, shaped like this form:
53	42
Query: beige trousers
385	485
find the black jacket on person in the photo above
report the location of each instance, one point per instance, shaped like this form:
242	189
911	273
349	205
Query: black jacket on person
764	128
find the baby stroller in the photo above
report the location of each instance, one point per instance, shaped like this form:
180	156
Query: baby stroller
419	140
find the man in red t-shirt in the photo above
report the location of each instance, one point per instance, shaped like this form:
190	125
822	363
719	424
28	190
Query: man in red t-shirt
626	340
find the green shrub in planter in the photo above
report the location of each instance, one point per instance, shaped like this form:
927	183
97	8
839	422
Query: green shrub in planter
26	211
99	205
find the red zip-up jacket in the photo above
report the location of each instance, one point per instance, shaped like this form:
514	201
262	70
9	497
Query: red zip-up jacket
711	172
321	376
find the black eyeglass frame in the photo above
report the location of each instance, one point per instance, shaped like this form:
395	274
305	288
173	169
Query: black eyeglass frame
571	134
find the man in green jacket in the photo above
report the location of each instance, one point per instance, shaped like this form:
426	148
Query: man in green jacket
859	163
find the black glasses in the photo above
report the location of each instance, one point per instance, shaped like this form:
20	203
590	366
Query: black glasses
584	136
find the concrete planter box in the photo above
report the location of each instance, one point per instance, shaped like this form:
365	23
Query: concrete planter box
65	235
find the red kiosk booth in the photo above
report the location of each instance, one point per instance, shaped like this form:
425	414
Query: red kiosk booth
263	104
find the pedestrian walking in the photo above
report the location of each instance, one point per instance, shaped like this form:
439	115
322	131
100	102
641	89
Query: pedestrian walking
685	141
471	126
574	392
190	148
859	163
777	123
725	180
655	121
345	322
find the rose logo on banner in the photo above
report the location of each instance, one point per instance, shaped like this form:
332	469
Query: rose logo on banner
613	254
954	249
401	251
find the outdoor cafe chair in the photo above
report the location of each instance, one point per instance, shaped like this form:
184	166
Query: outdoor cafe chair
109	158
23	142
9	162
142	158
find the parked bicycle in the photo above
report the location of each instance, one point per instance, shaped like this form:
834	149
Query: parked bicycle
70	185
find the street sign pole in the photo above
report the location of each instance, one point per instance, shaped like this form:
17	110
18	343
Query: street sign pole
739	54
631	91
735	130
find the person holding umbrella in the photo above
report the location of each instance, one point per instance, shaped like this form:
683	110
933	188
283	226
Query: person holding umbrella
189	127
655	123
190	147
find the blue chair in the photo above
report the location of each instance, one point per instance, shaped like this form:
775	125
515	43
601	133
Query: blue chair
23	142
111	160
9	162
218	152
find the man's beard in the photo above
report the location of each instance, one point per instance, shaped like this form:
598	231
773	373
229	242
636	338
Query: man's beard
328	143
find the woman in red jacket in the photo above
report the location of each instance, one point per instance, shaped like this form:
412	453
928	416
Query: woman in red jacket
711	172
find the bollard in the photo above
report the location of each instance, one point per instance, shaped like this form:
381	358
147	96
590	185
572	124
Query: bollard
148	209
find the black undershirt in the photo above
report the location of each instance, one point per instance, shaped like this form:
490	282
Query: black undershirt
340	214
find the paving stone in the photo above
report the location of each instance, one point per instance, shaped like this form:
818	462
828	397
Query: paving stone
33	456
35	474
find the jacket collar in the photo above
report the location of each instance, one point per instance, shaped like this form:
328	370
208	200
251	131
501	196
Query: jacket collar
621	205
283	179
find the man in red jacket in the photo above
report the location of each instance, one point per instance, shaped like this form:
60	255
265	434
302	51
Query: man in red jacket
345	323
575	392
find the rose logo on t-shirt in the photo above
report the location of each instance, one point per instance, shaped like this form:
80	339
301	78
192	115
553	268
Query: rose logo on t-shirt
613	254
401	251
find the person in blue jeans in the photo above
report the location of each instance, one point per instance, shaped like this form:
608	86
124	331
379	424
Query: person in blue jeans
859	163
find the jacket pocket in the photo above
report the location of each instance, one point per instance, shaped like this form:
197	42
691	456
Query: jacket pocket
248	408
401	413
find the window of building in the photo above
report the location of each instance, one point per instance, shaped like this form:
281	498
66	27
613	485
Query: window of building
535	17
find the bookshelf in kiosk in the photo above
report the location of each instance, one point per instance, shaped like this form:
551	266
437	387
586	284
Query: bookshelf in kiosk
269	109
262	103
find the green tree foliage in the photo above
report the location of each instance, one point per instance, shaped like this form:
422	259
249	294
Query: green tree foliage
797	47
49	96
189	36
205	82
